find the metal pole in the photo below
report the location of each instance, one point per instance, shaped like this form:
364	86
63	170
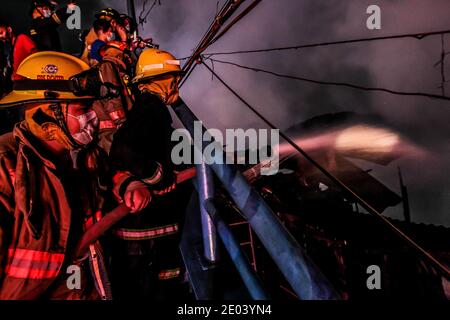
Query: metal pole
131	10
302	274
239	259
206	191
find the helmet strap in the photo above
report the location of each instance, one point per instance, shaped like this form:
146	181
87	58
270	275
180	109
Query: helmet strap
61	119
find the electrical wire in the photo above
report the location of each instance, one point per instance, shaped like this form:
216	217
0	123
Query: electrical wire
417	36
332	83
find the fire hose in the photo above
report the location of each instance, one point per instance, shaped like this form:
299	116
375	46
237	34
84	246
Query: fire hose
110	219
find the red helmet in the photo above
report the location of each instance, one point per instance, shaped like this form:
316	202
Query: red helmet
119	45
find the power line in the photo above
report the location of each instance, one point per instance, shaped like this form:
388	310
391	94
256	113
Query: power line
332	83
418	36
227	10
235	20
442	63
442	268
142	16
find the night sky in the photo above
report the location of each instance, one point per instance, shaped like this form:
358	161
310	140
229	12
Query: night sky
405	64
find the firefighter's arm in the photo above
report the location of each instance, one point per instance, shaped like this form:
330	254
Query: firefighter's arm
159	179
132	191
163	181
137	193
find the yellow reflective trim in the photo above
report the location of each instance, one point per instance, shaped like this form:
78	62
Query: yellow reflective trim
55	17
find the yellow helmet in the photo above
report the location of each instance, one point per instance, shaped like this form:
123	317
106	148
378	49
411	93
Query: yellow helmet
46	78
153	63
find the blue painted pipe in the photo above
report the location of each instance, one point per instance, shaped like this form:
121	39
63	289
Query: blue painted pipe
206	190
238	257
302	274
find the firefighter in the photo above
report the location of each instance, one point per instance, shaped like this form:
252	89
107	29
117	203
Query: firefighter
128	23
107	14
146	262
50	185
105	33
115	69
44	24
15	49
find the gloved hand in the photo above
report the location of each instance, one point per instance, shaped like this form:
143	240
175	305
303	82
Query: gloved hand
137	196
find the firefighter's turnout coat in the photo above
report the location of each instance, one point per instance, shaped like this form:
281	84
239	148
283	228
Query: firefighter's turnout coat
146	244
44	207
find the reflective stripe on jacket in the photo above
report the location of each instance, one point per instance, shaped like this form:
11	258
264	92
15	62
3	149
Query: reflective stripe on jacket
169	274
146	234
32	264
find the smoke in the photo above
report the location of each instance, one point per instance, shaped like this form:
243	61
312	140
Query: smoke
404	64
